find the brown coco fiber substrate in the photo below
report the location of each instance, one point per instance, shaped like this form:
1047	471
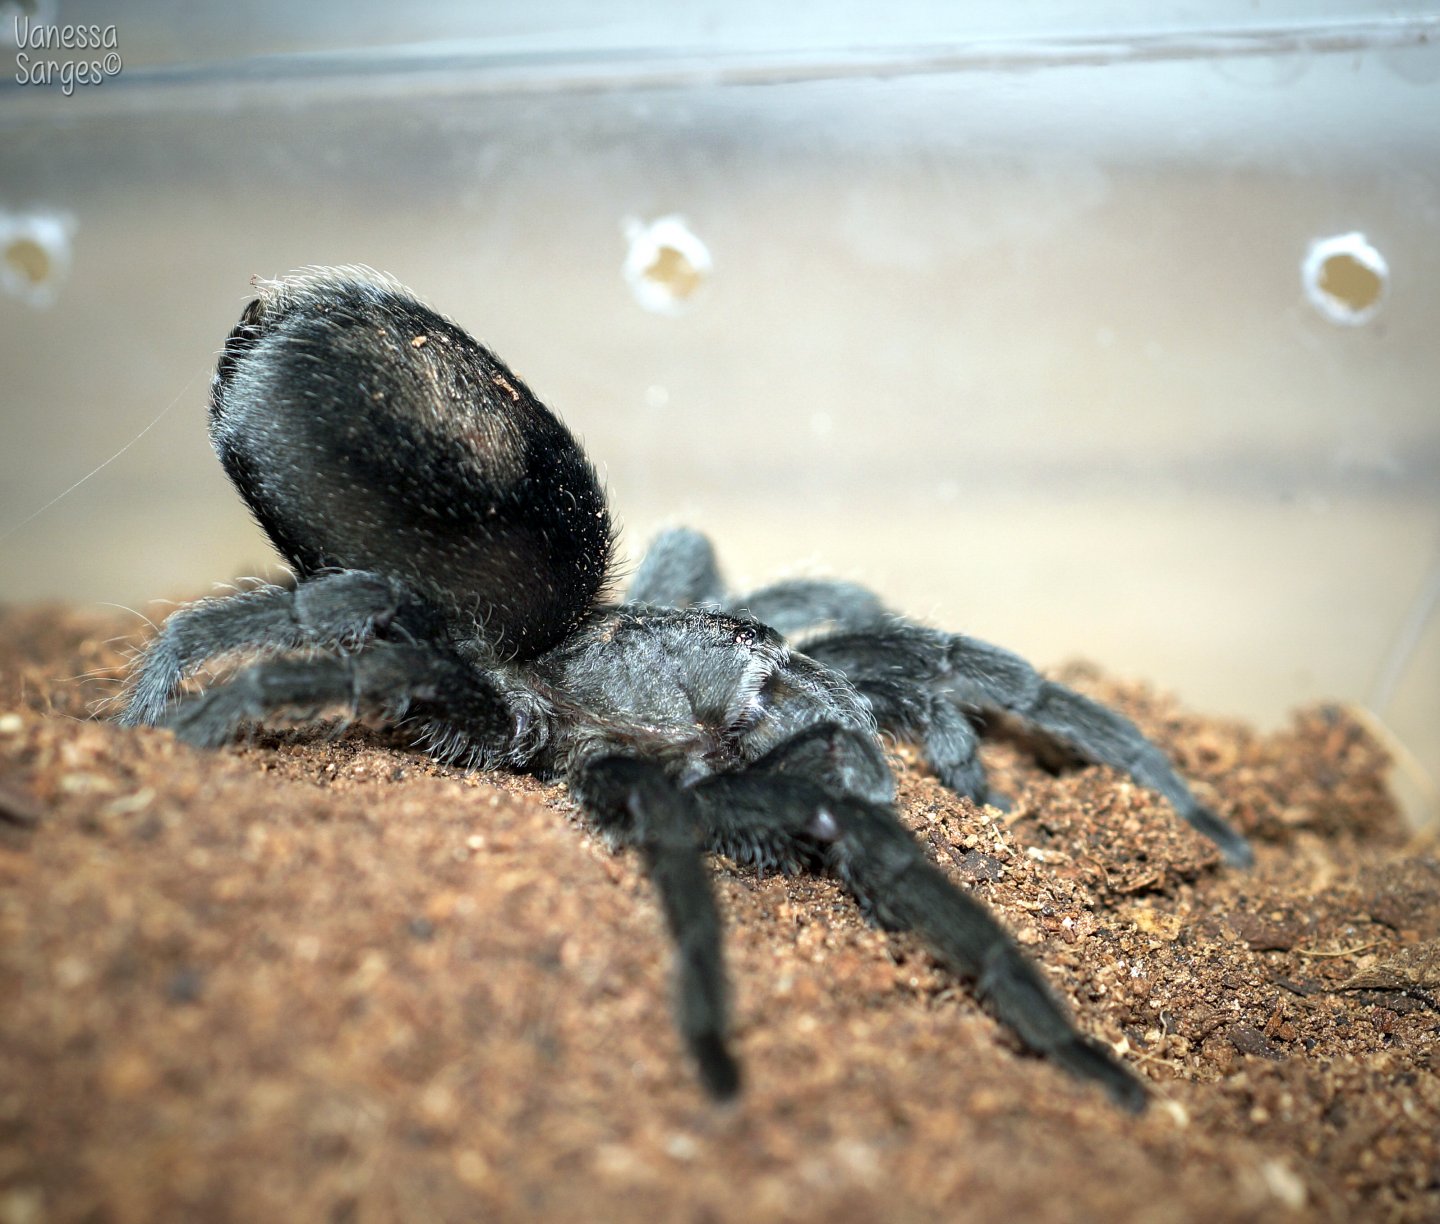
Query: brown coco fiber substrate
320	978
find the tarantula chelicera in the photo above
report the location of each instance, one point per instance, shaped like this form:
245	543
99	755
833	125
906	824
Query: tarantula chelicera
451	546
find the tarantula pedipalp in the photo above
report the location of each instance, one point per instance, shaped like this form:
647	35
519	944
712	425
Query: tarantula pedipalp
451	545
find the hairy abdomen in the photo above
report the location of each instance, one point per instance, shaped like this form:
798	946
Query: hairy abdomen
367	432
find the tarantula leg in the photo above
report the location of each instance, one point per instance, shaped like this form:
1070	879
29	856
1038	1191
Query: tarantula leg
1112	739
952	744
947	738
677	571
976	675
343	608
634	804
770	816
879	861
837	757
805	605
395	680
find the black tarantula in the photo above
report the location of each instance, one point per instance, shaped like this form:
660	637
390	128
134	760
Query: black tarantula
451	544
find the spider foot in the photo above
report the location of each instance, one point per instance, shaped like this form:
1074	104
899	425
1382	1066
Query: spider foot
719	1072
211	719
1233	845
1090	1060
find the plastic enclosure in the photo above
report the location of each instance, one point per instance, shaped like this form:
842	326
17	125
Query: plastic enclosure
1088	338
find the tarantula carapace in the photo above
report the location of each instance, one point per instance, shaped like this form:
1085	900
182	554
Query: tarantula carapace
451	544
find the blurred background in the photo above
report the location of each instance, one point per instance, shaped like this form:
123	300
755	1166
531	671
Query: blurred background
1092	336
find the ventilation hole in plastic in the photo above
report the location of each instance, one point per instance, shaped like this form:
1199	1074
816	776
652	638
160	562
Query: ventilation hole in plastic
1345	278
34	255
666	265
27	260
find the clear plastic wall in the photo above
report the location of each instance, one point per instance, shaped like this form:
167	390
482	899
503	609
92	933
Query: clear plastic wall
1094	338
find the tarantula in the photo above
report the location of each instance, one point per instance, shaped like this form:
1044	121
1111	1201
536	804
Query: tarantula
451	546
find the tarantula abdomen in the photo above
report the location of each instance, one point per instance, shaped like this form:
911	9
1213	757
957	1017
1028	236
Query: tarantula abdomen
366	432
